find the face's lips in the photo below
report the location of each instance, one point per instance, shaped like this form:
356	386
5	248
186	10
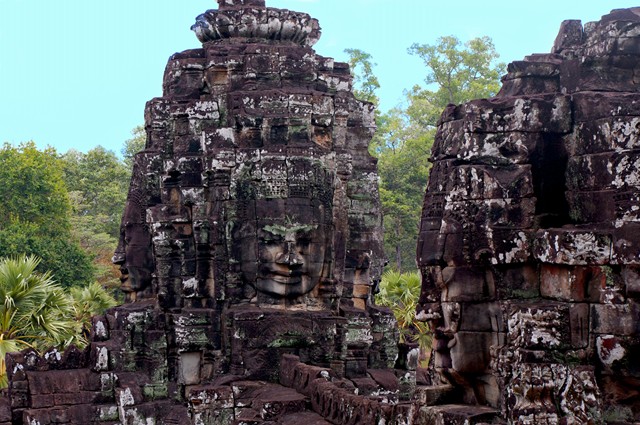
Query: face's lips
124	274
284	275
285	280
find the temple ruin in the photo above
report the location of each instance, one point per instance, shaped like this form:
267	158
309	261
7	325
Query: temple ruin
251	248
530	234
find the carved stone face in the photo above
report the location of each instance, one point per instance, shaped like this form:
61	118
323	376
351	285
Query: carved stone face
137	265
290	259
283	232
134	254
284	257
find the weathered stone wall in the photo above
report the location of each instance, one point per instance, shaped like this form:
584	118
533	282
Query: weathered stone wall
530	234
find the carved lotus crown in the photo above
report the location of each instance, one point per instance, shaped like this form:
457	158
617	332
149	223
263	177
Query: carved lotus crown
251	19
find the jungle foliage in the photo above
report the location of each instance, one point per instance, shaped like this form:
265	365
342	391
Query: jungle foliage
38	313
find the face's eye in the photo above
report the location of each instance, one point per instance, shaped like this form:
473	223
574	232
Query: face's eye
303	241
271	239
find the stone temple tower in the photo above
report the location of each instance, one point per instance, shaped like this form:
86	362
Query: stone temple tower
252	233
530	234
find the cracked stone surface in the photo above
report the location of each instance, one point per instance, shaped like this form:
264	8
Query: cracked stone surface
530	236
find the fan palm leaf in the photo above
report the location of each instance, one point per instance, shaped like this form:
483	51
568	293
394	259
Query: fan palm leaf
34	311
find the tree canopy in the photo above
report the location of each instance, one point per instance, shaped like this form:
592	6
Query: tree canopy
460	72
65	209
98	182
35	215
365	82
134	145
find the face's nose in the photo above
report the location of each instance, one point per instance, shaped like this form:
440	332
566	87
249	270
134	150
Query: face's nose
289	255
118	258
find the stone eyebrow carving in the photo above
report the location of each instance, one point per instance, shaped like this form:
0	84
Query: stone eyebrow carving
284	230
289	227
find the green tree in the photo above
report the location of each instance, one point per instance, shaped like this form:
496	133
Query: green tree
457	72
32	188
403	168
400	292
89	301
35	213
134	145
35	312
97	182
365	82
38	313
60	252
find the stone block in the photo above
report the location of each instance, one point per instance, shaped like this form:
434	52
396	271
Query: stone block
82	397
431	246
471	351
590	107
575	284
307	418
543	326
545	114
457	414
466	284
529	85
507	246
366	386
305	376
99	329
570	36
604	171
592	207
608	73
515	281
631	275
573	247
493	213
244	392
57	381
5	410
479	182
481	317
617	133
274	401
626	240
434	394
617	354
189	368
485	148
99	357
288	364
615	319
355	367
219	416
211	397
385	378
42	401
579	325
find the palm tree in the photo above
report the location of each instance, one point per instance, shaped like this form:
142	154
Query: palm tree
88	301
400	292
34	311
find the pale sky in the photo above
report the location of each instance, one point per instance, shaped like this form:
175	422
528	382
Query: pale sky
77	73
